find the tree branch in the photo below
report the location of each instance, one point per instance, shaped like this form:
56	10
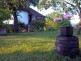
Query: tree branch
73	6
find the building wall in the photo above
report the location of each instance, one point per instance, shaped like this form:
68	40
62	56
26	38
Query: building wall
23	17
37	19
33	18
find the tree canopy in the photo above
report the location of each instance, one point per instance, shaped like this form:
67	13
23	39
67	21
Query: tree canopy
17	4
56	4
4	14
54	15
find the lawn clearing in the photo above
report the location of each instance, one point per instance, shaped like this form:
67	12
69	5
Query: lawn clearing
31	46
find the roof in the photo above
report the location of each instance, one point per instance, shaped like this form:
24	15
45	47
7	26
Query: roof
32	11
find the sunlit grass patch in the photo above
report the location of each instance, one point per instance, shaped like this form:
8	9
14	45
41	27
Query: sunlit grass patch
31	46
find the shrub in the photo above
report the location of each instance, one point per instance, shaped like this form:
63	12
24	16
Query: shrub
37	25
21	24
50	25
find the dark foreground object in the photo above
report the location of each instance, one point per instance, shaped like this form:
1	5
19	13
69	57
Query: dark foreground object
66	31
67	45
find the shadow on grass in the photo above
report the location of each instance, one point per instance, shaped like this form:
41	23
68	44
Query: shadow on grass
35	56
28	56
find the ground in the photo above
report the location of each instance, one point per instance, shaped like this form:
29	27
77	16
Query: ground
31	46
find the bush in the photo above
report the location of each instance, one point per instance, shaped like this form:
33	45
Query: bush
21	24
37	25
50	25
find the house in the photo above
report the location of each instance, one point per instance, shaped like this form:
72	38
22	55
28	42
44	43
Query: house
28	15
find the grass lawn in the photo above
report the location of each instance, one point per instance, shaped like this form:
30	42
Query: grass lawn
31	46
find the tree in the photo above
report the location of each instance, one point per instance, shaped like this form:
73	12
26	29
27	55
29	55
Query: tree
4	15
54	15
62	5
15	5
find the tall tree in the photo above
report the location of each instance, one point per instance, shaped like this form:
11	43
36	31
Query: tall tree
15	5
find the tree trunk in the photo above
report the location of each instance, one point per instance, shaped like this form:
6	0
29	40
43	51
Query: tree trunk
16	29
0	26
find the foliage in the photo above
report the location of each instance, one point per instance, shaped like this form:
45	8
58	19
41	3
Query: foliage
50	25
37	25
21	24
4	14
17	4
63	6
5	26
46	3
53	15
65	21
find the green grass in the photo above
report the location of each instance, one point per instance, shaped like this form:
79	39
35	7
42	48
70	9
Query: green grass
31	46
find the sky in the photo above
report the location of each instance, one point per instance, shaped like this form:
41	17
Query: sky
43	12
75	19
